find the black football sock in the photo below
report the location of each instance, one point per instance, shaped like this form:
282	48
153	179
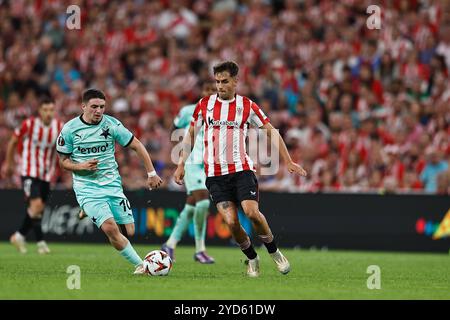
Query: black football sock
271	247
250	252
37	228
269	242
27	224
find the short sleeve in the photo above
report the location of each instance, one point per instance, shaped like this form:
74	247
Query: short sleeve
257	117
64	143
122	135
22	130
183	118
197	117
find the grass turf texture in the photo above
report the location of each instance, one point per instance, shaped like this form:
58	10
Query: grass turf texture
314	275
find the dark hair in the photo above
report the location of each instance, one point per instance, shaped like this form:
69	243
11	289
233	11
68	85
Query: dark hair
45	100
209	81
92	94
229	66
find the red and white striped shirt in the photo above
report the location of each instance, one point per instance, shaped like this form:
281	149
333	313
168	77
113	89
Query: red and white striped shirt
38	148
226	124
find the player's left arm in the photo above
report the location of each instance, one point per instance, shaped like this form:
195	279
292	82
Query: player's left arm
153	180
8	166
273	133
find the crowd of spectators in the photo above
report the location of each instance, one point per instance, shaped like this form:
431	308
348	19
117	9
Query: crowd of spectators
362	110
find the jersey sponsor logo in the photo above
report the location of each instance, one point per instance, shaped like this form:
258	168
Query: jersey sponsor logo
218	123
61	141
95	149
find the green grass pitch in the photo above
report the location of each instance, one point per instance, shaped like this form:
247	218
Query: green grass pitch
314	275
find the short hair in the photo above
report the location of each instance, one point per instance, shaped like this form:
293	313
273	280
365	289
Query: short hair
209	82
45	100
230	66
92	94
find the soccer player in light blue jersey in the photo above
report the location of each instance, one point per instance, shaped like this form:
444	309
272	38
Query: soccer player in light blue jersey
86	146
197	202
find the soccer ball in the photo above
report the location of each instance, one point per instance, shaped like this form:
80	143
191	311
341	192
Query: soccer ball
157	263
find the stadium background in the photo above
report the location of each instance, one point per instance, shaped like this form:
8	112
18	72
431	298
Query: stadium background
363	111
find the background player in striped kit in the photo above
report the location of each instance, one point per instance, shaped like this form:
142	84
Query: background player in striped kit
197	202
38	136
230	180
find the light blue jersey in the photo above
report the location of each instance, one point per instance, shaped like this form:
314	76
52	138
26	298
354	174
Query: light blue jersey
183	120
82	141
195	176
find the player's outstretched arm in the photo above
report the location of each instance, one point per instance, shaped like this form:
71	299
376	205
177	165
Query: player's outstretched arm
153	180
291	166
8	166
188	144
67	164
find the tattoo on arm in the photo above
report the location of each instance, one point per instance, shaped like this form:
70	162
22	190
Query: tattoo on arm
66	163
225	205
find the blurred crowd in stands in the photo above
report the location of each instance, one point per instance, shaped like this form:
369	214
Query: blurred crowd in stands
361	110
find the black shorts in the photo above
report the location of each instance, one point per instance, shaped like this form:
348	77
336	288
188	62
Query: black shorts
35	188
234	187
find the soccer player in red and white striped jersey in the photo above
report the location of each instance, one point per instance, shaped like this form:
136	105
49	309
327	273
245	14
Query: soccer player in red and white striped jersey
38	136
231	181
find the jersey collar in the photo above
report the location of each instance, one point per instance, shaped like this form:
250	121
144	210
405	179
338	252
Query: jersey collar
226	101
90	124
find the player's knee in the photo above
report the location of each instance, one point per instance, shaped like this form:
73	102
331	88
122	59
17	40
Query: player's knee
37	206
252	213
111	230
203	204
128	230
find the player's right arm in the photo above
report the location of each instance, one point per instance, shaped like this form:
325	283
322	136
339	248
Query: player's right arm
64	146
188	143
66	163
19	133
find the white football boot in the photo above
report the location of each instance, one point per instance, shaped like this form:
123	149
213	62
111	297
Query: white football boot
43	247
253	267
140	269
282	263
18	241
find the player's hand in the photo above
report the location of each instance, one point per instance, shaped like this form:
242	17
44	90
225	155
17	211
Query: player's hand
154	182
7	170
295	168
179	175
90	165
